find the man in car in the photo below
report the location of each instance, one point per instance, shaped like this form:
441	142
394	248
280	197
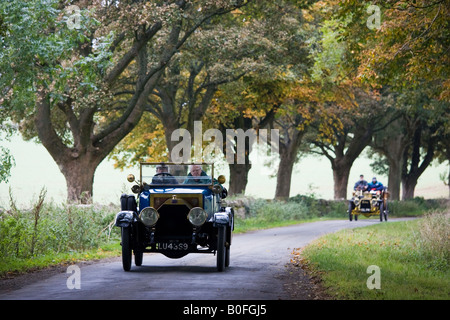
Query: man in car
163	176
196	175
361	184
375	185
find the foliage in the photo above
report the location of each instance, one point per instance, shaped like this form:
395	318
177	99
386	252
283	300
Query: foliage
6	163
51	229
81	90
434	238
232	68
341	261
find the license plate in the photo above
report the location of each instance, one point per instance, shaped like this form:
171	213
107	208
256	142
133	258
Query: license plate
171	246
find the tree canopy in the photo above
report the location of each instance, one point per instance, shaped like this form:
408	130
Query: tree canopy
91	79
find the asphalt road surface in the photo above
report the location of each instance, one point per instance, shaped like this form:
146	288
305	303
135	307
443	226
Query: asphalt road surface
258	263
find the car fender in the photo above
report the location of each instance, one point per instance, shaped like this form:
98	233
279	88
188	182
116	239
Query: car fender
124	218
224	218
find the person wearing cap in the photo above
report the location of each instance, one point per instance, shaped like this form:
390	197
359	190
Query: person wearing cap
163	176
361	184
375	185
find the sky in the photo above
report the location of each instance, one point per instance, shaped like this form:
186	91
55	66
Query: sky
35	169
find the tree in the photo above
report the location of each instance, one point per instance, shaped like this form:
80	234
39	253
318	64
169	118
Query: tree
343	139
62	85
221	77
392	143
350	109
405	54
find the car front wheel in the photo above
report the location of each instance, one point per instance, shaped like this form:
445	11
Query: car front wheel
126	248
221	249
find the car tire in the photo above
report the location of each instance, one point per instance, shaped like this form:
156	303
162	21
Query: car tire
126	248
227	254
221	249
381	211
138	257
350	209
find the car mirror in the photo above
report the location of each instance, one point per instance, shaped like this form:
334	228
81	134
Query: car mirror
130	178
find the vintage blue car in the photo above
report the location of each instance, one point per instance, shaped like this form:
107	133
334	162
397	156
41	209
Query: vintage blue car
178	211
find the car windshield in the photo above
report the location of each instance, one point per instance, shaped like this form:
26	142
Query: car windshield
169	174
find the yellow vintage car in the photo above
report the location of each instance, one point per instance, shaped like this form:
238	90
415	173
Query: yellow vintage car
368	203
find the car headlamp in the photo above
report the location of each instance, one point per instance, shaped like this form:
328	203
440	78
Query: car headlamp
149	216
197	216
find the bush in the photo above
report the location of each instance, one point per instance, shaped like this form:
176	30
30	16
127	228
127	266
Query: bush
47	228
415	207
279	211
434	238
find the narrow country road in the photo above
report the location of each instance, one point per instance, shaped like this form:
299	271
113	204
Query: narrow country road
258	262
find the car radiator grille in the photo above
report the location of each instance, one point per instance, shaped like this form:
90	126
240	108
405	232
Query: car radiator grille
365	204
173	223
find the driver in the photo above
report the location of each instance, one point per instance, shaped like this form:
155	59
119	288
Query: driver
361	184
163	176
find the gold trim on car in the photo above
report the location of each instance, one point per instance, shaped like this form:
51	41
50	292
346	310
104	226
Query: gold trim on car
189	200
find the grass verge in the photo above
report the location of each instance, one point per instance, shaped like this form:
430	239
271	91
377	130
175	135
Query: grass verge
11	266
408	268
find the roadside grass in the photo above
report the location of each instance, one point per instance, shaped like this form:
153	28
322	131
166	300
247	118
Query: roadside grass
12	266
49	234
263	214
411	265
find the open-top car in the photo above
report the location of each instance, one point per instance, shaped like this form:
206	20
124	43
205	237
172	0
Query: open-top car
178	210
368	203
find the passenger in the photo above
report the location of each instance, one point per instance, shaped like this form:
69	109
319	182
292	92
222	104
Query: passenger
195	170
375	185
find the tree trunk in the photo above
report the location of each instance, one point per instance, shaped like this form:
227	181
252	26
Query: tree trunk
284	174
288	149
79	174
238	178
416	168
394	150
448	180
392	143
341	172
394	179
409	184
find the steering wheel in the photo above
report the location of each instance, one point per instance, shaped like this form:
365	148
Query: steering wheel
163	174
